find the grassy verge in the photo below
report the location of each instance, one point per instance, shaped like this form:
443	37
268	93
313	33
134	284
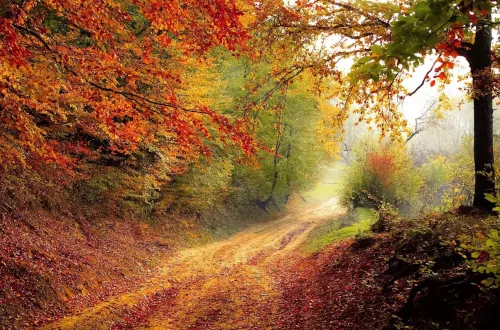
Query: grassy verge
339	228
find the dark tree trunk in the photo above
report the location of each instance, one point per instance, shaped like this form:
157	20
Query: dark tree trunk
276	158
275	165
479	58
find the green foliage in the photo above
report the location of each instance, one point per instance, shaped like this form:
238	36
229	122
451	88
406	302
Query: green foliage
459	169
381	173
203	188
412	34
388	216
436	183
434	172
338	229
485	250
495	199
285	123
485	256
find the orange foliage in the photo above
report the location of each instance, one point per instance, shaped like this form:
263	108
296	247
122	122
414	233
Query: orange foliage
81	76
382	166
449	51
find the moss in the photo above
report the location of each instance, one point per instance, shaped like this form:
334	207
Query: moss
339	228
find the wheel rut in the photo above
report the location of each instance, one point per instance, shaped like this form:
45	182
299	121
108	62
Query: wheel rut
224	285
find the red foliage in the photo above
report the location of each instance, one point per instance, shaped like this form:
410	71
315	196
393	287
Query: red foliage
449	50
109	70
339	288
381	164
49	266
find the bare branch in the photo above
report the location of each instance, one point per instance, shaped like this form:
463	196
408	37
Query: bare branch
423	119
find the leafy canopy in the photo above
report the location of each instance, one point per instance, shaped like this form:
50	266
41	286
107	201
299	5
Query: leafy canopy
82	77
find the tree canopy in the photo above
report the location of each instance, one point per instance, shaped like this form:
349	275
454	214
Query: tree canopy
83	79
386	42
79	77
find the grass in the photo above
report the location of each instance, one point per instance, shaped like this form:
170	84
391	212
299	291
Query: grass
339	228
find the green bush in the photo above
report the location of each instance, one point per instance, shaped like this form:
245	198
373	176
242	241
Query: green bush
381	173
434	173
485	257
460	172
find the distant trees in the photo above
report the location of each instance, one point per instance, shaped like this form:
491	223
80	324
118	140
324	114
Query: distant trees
287	121
388	40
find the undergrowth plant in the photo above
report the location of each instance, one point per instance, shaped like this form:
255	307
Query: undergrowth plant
485	251
381	173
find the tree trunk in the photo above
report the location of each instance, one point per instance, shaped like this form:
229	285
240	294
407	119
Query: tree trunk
480	62
287	175
276	158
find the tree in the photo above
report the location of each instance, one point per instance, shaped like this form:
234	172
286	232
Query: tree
388	40
453	29
426	120
296	154
285	119
109	77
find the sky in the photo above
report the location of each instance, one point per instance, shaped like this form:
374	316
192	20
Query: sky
413	105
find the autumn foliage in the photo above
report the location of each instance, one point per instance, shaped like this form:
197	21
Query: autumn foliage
381	174
382	166
79	78
126	130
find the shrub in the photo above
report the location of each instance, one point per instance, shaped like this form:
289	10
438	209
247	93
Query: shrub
485	250
485	257
460	171
378	174
437	180
434	173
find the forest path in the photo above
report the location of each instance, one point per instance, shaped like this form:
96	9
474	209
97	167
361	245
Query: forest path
225	285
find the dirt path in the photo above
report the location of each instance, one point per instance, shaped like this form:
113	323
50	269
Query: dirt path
225	285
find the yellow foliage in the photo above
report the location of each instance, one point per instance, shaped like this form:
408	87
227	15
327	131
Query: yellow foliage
202	85
329	127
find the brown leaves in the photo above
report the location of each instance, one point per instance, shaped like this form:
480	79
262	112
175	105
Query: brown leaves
337	288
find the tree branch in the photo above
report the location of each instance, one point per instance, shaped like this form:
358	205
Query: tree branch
34	34
145	99
425	77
